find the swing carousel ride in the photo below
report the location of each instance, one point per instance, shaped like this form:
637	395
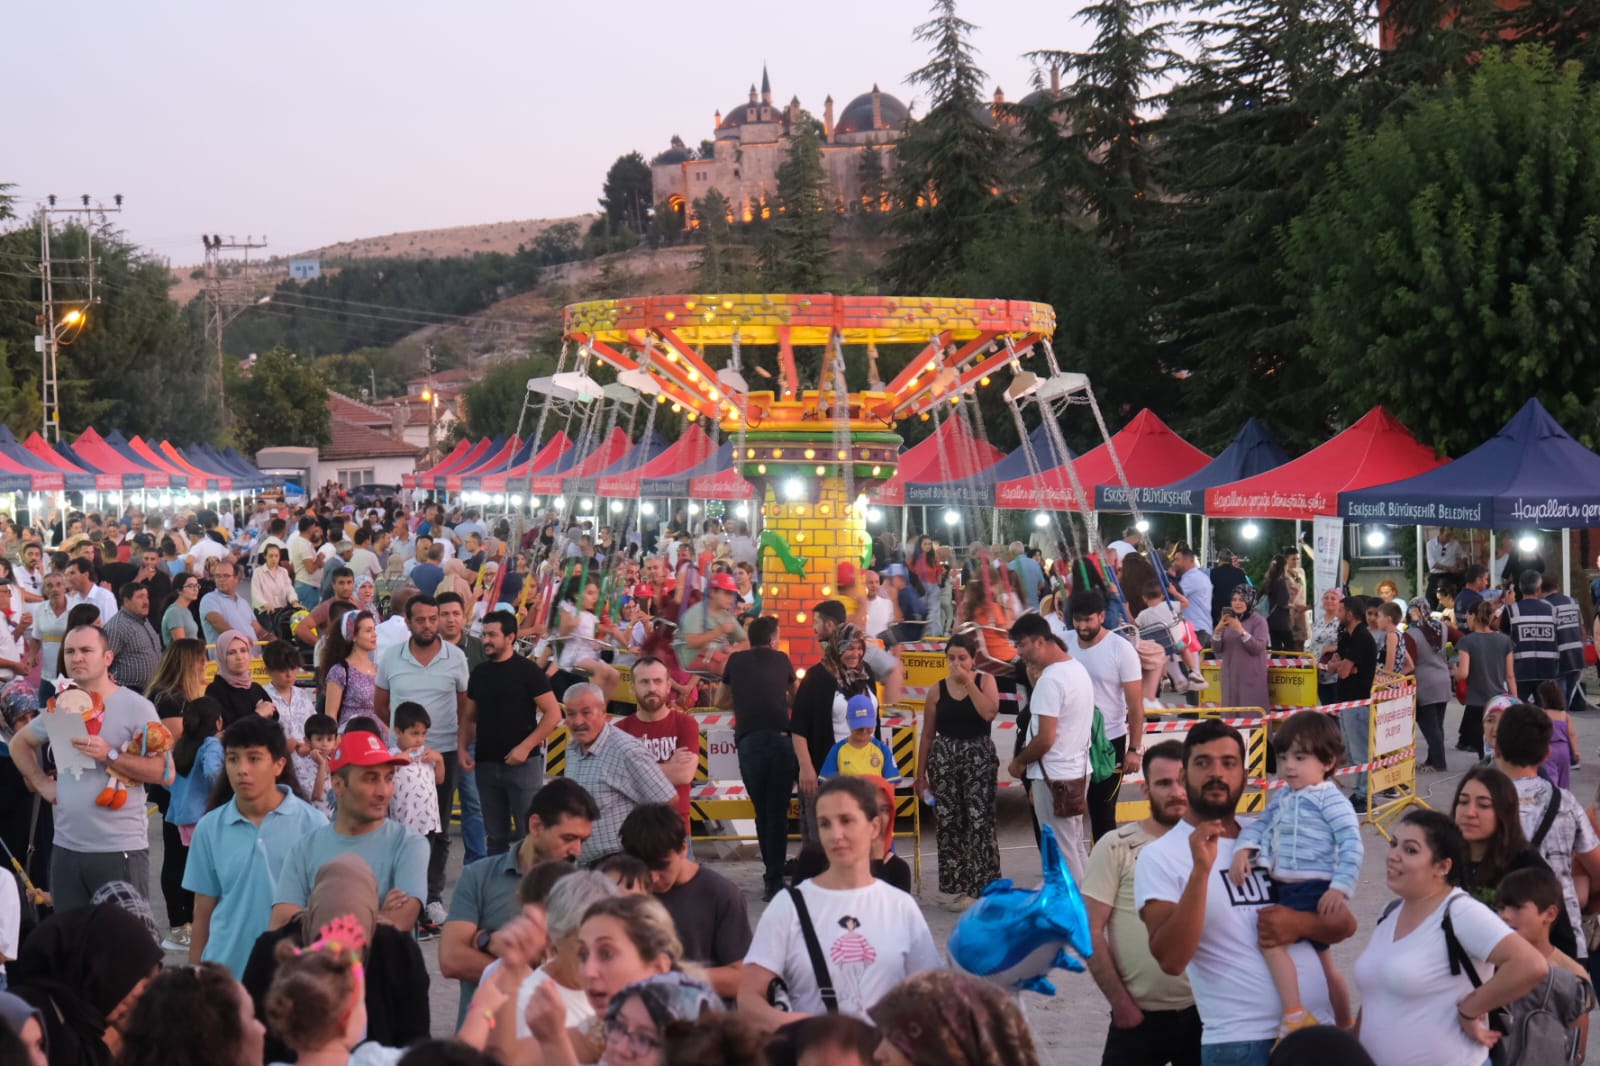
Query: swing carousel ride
812	455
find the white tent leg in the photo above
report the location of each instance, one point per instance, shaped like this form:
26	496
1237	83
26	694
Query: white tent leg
1422	583
1188	529
1566	562
1494	578
994	526
1205	540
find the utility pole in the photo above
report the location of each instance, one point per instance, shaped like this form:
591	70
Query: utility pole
228	294
56	333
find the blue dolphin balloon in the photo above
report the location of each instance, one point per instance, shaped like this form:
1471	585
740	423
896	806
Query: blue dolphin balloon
1014	936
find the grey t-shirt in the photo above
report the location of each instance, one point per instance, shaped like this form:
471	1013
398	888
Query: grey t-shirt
1486	676
80	825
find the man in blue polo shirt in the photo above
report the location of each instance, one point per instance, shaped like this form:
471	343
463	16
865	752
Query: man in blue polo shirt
239	849
362	775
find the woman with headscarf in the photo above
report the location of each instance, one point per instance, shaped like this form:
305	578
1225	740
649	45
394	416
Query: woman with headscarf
951	1018
1425	652
27	1024
1240	641
397	979
233	687
817	720
84	969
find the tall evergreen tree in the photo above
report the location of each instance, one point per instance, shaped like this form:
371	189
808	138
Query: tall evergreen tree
1091	147
626	197
721	268
870	176
949	172
802	253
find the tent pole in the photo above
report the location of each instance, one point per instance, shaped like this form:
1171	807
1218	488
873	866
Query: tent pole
994	526
1421	586
905	526
1205	540
1566	562
1188	530
1494	578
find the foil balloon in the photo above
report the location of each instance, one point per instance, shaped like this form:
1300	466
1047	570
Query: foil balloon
1014	936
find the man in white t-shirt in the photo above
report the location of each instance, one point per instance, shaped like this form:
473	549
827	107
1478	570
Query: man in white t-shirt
1114	667
880	608
1126	546
1060	719
1201	924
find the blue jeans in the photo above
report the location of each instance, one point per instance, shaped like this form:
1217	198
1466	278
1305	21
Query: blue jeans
507	792
768	768
473	841
1354	724
1239	1053
308	595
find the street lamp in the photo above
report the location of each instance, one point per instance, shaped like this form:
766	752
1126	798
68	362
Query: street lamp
431	398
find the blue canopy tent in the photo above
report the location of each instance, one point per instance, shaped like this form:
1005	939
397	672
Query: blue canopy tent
202	458
1253	451
13	449
1531	474
472	479
640	454
246	468
119	443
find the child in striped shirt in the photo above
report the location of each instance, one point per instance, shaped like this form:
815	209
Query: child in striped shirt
1310	841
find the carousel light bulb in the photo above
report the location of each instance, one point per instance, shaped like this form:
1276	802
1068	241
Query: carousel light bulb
811	453
616	506
1142	526
951	517
693	417
821	470
984	380
761	468
876	471
874	515
1527	543
1376	539
647	509
794	489
1041	519
1250	531
661	397
677	407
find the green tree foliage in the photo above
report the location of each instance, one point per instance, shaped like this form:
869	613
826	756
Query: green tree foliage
723	266
494	402
375	302
136	365
625	198
950	165
1450	268
282	400
874	185
1093	144
802	253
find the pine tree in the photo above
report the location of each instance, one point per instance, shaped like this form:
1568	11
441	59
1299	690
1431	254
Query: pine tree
721	268
1100	159
948	174
870	177
802	254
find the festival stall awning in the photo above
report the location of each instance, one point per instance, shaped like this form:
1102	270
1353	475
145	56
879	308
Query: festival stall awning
208	480
477	480
94	448
248	470
572	464
684	454
1150	454
950	453
16	477
726	484
464	451
46	476
678	484
191	479
515	479
978	489
117	441
1531	473
636	457
471	477
209	464
74	472
1375	450
1254	451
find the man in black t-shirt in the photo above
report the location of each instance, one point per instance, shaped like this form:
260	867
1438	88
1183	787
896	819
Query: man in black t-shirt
709	911
1225	577
759	686
510	712
1356	663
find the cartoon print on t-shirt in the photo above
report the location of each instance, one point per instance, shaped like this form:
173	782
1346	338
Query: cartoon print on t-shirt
852	953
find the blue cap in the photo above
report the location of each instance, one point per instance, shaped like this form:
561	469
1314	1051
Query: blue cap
896	570
861	712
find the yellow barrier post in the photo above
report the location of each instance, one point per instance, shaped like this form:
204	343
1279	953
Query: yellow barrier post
1392	754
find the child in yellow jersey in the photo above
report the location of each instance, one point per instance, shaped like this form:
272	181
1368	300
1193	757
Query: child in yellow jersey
862	753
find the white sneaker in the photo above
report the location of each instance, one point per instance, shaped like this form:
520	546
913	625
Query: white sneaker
1198	682
178	939
435	912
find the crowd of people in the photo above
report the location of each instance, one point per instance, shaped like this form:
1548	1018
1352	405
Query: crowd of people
309	742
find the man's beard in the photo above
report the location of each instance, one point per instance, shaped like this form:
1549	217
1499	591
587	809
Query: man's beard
649	701
1205	809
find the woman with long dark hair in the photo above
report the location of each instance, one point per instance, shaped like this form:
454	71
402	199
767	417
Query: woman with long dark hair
177	617
347	674
1425	640
1275	587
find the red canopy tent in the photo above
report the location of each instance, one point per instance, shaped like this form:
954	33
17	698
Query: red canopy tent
486	464
614	448
221	482
38	480
1374	451
687	451
453	461
726	484
559	445
182	471
93	447
39	446
1150	453
951	453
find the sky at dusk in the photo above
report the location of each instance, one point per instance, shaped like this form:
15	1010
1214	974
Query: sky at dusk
317	122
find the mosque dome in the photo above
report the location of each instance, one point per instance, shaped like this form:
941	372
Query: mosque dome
857	114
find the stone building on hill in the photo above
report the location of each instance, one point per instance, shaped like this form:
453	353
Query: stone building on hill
751	141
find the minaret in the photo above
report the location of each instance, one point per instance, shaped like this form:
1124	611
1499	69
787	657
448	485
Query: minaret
827	119
753	96
766	86
716	121
1055	82
877	107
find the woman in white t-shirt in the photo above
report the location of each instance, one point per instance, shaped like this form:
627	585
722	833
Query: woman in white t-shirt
872	935
1413	1010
